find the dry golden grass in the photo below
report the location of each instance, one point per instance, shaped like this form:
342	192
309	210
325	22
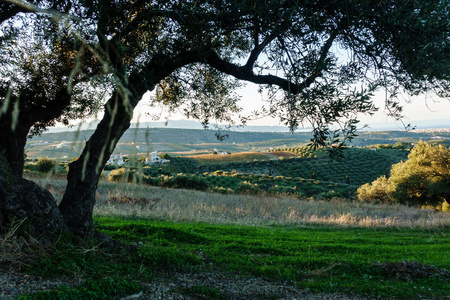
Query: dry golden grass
233	157
278	154
15	249
115	199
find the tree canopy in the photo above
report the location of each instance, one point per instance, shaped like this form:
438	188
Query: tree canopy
194	54
398	45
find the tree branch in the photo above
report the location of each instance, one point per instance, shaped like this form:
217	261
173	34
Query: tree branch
244	73
321	62
260	47
22	6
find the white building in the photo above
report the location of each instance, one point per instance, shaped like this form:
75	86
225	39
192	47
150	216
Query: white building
116	159
155	159
221	152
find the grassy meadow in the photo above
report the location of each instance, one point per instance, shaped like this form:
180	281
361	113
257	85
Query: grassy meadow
317	248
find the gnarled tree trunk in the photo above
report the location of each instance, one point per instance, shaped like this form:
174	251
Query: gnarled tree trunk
79	199
25	201
12	144
22	199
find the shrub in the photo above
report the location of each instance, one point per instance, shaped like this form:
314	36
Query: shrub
179	181
45	164
330	195
377	191
30	166
111	167
222	190
164	156
153	172
424	179
283	190
445	206
247	188
118	175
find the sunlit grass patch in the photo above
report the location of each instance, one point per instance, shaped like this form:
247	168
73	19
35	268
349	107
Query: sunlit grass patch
382	262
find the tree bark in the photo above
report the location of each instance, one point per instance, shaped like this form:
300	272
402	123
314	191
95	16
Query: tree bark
82	180
12	143
25	202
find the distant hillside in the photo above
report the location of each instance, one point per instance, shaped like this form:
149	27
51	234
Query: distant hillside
141	141
392	137
137	141
178	136
180	124
192	124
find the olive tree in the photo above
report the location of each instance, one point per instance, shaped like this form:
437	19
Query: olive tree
423	179
194	54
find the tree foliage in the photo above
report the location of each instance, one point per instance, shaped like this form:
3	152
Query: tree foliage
45	76
398	45
422	179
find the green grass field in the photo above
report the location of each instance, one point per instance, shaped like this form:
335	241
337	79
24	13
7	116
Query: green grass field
379	263
321	248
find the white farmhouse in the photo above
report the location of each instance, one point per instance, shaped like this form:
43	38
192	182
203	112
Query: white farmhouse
155	159
116	159
221	152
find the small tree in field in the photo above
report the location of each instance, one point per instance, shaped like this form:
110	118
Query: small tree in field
424	179
375	191
45	164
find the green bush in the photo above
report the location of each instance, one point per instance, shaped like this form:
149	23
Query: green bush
222	190
445	206
330	195
30	167
154	172
179	181
283	190
182	181
111	167
247	188
45	164
375	192
164	156
153	181
424	179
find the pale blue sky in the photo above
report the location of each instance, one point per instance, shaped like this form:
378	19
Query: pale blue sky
424	107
